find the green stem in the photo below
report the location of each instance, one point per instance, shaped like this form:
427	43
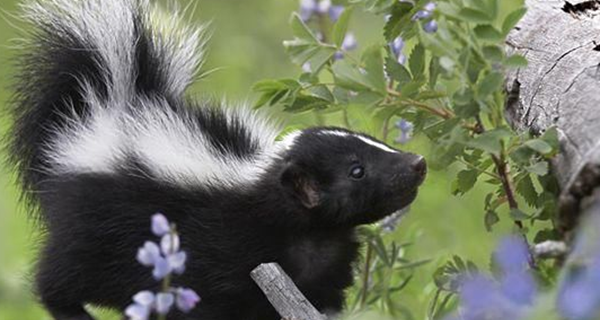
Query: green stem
366	275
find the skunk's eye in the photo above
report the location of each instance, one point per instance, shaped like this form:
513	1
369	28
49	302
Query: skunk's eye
357	172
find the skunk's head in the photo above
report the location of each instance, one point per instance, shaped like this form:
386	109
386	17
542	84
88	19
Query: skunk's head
346	178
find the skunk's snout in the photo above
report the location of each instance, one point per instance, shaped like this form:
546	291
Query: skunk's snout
410	172
419	166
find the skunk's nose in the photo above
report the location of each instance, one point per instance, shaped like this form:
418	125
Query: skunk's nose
419	165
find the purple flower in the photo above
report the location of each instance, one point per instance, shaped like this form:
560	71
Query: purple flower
148	254
161	268
160	225
430	6
579	300
176	262
307	9
397	45
137	312
349	42
335	12
422	14
406	129
186	299
306	67
430	26
144	298
519	287
512	254
324	6
164	302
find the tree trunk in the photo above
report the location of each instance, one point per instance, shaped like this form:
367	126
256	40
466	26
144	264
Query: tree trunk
561	87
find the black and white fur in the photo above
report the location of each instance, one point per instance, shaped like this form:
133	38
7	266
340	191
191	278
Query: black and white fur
104	137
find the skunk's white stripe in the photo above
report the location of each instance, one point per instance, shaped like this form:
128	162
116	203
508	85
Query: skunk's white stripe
170	145
364	139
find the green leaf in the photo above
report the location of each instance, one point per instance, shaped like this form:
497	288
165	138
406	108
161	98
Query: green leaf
488	33
399	20
545	235
375	76
347	76
526	189
551	138
474	15
465	181
516	61
303	103
489	141
494	53
416	61
397	72
434	71
490	219
540	168
341	27
518	215
522	155
321	91
512	19
488	6
300	30
539	145
490	84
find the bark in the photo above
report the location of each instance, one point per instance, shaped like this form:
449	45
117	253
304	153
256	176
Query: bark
561	87
283	294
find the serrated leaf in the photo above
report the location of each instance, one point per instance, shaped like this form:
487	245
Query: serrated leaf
341	27
397	72
429	95
522	155
416	61
490	219
399	20
474	15
518	214
512	19
527	190
490	84
489	141
540	168
516	61
465	181
539	145
488	33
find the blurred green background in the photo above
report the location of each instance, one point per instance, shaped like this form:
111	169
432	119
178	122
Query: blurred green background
246	47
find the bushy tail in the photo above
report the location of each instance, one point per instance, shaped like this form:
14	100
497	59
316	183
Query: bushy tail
85	54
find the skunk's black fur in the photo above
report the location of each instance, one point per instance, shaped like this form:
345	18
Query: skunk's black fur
104	137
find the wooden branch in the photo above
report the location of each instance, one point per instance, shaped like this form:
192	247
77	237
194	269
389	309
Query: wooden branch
283	294
559	88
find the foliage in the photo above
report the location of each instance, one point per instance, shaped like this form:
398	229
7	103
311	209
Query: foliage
438	72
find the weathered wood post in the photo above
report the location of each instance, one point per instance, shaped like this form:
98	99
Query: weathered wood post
561	87
283	294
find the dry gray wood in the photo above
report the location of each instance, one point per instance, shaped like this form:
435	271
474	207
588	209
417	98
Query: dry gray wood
561	87
283	293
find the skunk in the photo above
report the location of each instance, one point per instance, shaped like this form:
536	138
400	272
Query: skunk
104	136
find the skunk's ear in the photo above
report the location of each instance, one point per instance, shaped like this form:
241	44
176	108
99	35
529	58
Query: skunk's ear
301	184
